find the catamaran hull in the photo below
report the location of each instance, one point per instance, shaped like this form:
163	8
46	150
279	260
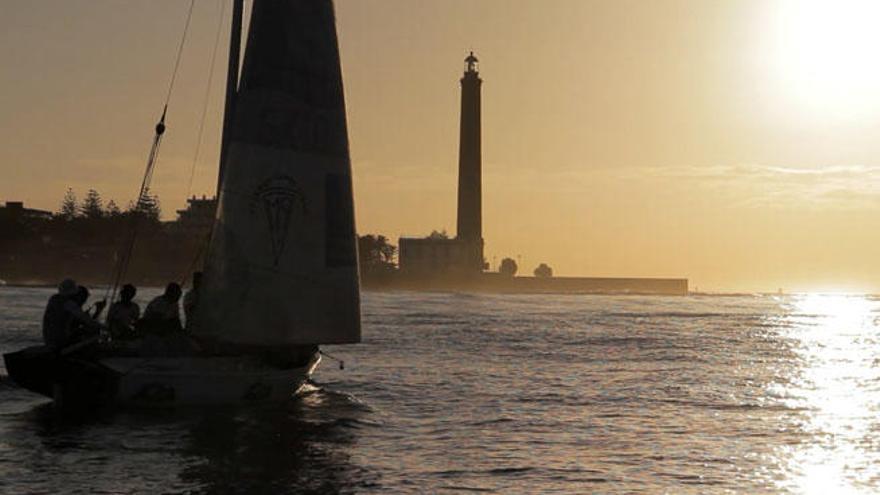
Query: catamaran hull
155	382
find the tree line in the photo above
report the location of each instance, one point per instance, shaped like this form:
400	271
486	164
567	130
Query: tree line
82	226
84	237
89	221
92	207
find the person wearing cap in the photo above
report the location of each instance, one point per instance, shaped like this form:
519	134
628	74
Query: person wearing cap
56	319
124	314
63	312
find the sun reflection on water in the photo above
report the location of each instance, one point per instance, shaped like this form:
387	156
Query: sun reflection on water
836	345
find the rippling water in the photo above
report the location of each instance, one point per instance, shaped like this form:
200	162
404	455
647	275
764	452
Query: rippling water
506	394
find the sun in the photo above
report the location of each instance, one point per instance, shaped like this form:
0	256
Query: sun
824	54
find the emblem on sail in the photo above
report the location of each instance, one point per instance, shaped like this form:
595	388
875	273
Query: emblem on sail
277	199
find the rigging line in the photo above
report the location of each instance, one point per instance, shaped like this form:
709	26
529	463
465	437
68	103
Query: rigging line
189	14
334	358
192	172
123	262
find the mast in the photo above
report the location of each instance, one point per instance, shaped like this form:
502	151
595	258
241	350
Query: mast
231	84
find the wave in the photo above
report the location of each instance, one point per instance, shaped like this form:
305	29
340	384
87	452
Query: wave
466	489
494	471
683	314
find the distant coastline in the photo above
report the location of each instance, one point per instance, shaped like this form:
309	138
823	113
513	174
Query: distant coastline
493	282
84	242
490	283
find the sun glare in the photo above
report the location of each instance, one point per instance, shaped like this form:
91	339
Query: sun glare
824	55
836	391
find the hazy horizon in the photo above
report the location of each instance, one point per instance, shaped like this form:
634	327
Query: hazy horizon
731	143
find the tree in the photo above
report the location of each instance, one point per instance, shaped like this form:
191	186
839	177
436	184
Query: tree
92	206
508	267
148	205
112	209
438	235
375	253
387	251
68	209
543	271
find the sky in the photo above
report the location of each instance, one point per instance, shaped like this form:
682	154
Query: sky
730	142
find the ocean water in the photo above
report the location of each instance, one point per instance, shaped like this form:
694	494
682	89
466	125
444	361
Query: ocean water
453	393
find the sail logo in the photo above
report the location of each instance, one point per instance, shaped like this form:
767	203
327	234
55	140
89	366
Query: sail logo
277	198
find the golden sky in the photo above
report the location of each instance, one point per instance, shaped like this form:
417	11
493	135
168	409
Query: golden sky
730	142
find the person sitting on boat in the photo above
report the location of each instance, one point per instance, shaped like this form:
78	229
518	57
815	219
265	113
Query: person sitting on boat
191	299
124	314
85	324
57	316
82	295
63	313
162	315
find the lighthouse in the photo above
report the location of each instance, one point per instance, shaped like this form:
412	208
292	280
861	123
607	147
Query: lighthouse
470	203
439	257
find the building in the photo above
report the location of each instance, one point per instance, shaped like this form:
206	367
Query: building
15	211
438	262
437	255
470	158
197	218
434	256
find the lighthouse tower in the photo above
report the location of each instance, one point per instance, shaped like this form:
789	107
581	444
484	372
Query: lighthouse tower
470	213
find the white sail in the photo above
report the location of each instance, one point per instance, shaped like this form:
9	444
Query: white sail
281	267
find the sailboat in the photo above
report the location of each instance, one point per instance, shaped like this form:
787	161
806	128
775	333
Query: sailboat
280	274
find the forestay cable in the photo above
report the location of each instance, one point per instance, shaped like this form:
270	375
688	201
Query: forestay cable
124	259
189	14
